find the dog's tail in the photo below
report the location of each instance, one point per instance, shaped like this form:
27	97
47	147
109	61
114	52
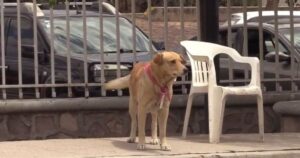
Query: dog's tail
119	83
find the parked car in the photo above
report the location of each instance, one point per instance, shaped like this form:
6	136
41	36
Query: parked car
77	55
277	77
253	16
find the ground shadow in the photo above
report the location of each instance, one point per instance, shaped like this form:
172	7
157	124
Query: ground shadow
150	149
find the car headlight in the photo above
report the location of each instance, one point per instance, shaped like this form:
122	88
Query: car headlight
110	72
96	69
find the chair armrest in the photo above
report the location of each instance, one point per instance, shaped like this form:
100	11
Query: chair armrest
255	67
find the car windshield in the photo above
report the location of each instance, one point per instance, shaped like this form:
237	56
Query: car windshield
287	33
93	35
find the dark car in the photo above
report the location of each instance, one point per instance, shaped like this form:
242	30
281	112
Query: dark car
84	67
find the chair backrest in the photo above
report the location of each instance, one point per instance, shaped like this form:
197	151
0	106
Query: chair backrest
199	72
205	52
208	50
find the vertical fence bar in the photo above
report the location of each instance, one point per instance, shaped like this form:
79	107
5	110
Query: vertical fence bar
198	20
36	64
278	88
183	88
261	51
53	93
149	11
103	92
229	32
245	32
85	67
118	43
166	24
229	41
181	20
133	29
294	86
3	66
20	77
68	48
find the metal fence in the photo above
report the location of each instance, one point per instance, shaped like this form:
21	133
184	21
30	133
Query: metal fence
73	51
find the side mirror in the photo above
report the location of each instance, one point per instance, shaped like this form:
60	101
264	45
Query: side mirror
159	45
282	57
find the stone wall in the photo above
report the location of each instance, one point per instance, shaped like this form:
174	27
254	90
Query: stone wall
290	123
116	123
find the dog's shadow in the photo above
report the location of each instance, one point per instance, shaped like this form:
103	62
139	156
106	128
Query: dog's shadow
124	145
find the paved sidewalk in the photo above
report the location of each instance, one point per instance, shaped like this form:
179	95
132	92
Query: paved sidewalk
235	145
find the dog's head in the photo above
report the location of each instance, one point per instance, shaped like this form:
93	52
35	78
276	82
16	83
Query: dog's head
170	63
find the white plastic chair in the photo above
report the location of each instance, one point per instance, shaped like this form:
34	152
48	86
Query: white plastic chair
204	53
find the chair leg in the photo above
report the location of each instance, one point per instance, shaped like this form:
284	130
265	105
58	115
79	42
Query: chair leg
187	114
215	109
222	115
260	108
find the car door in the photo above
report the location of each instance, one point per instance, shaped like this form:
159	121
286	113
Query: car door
276	70
272	70
27	55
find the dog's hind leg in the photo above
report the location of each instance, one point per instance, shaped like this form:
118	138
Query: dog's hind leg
133	116
154	140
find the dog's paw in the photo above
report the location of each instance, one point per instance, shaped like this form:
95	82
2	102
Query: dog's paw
141	146
154	141
165	147
131	140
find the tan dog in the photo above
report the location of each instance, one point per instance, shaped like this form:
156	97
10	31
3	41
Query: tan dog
150	86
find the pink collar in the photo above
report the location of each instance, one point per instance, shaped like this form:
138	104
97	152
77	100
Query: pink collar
164	90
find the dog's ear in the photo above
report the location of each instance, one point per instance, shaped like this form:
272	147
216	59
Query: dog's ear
182	59
158	59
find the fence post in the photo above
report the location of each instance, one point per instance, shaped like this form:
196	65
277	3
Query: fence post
209	20
209	27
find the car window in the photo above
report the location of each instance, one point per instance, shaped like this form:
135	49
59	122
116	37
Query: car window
268	43
27	42
287	33
93	33
253	43
223	38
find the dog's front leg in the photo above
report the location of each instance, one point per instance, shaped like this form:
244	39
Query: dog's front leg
154	140
163	118
141	126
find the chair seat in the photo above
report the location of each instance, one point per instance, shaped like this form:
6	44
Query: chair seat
199	89
241	90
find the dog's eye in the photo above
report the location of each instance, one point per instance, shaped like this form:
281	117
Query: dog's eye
173	61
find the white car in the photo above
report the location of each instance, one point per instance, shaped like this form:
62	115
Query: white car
253	16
